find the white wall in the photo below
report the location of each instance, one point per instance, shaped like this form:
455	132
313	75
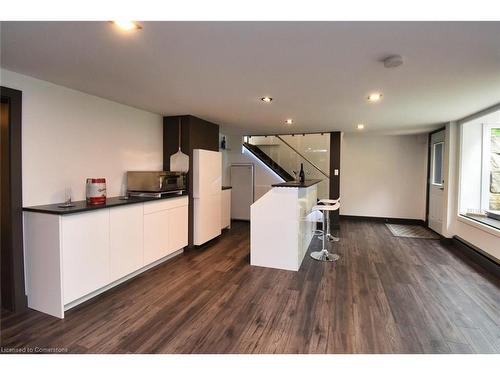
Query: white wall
481	238
69	136
450	168
383	175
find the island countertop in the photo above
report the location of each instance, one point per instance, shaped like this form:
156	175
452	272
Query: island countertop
297	184
82	206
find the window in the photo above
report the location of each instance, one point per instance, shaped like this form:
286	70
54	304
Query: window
480	167
490	187
437	168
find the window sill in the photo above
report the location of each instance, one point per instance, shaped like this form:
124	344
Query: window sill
488	225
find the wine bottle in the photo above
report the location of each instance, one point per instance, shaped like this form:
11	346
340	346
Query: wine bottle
302	176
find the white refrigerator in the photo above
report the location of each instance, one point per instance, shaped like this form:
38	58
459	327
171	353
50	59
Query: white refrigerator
207	192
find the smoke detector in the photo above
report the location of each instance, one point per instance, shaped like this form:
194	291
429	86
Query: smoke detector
393	61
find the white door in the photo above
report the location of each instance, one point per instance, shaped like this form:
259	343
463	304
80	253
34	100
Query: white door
436	182
242	194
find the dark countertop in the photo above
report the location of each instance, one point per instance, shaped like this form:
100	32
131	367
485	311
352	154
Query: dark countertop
82	206
296	184
226	187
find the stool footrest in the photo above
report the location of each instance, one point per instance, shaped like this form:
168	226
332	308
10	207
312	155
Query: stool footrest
332	238
324	256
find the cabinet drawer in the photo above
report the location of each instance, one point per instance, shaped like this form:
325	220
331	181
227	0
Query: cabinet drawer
164	204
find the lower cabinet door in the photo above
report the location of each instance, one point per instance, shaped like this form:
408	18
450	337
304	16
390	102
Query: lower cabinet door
178	228
226	209
156	236
85	248
207	218
126	240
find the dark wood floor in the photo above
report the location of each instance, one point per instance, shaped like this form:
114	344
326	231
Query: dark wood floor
385	295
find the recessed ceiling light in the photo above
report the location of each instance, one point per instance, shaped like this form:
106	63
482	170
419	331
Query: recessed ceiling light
127	25
360	126
289	121
374	97
266	99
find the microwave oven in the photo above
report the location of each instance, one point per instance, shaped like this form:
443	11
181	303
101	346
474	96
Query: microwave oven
155	183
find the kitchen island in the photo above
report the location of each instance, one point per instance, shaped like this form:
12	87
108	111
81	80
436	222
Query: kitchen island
280	231
73	254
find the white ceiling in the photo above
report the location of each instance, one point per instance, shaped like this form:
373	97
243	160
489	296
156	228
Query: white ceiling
319	73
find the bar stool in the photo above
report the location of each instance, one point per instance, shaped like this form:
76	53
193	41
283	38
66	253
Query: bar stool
316	217
324	255
329	235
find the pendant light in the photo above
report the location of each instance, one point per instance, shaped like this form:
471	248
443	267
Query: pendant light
179	162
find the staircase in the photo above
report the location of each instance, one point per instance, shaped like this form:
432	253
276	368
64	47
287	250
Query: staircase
263	157
285	154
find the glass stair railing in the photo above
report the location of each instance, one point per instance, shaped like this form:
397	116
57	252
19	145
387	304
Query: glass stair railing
285	153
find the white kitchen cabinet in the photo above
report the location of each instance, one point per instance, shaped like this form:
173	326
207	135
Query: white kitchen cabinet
155	236
165	227
226	209
178	230
125	240
42	263
85	253
283	245
70	258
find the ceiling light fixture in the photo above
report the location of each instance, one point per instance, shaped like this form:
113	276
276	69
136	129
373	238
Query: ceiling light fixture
289	121
127	25
374	97
360	126
266	99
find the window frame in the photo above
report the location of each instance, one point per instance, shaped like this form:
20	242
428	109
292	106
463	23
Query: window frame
433	174
485	164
